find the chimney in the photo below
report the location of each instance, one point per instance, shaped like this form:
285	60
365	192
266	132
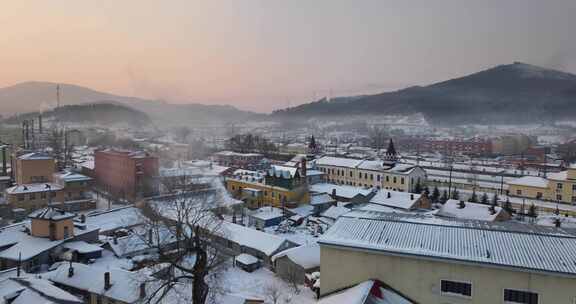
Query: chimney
334	193
142	290
115	240
83	218
303	167
411	196
107	284
70	270
389	195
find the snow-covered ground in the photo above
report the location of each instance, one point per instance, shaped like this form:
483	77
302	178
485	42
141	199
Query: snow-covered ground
259	284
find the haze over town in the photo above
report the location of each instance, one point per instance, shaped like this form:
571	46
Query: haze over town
277	152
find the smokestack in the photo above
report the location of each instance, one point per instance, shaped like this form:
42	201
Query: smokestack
4	165
107	284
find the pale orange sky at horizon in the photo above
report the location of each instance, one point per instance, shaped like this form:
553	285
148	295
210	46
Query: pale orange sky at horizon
263	55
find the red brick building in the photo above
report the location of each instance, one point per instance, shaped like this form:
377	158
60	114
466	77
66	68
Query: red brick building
466	146
126	174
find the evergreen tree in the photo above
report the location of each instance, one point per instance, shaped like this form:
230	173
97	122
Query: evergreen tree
508	206
484	199
495	200
418	187
474	197
435	194
455	194
444	197
532	211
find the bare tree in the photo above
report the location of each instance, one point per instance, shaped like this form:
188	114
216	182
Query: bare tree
273	293
179	228
378	137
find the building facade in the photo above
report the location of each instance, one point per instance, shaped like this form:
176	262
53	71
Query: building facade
557	187
279	186
126	174
449	263
371	173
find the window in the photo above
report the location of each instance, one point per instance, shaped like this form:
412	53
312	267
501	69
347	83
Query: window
559	197
66	232
371	176
538	195
394	179
378	177
365	175
573	187
456	288
351	175
20	197
43	195
559	185
32	196
518	192
402	180
387	178
519	296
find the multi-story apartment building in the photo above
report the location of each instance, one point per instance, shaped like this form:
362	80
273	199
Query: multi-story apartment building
126	175
559	187
477	146
280	186
380	174
449	262
38	185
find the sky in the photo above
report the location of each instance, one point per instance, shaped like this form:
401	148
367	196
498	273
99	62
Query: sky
262	55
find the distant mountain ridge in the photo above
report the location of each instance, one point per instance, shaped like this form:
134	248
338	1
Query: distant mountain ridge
513	93
36	96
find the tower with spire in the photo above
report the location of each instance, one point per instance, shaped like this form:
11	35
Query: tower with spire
391	156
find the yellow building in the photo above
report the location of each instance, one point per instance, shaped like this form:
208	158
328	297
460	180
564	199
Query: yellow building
436	263
280	186
557	187
371	173
34	168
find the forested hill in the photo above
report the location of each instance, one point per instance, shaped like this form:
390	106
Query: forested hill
102	113
512	93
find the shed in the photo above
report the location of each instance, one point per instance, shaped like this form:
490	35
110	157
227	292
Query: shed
247	262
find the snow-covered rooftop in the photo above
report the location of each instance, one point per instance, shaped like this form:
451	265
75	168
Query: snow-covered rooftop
530	181
246	259
471	211
32	188
27	290
125	285
473	242
267	213
369	292
335	212
262	241
341	190
307	256
395	199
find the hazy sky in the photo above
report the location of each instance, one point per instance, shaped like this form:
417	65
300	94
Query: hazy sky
262	55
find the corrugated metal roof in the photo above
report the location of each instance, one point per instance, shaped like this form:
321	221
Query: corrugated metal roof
548	250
